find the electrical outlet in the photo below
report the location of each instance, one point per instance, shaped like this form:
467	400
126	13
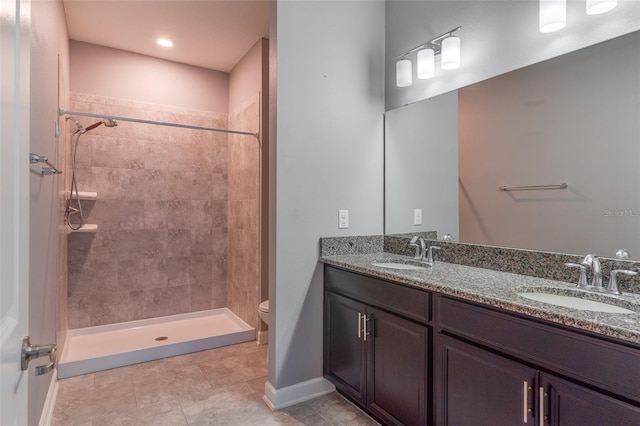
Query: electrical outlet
343	219
417	216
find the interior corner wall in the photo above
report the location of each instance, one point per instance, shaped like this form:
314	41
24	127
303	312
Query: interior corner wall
245	89
245	79
330	103
114	73
49	41
497	36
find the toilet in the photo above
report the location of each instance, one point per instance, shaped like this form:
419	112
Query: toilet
263	311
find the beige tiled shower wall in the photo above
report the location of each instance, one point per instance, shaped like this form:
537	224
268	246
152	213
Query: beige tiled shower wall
161	244
244	214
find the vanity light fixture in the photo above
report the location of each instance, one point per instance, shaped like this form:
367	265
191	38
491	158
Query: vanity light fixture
403	73
553	15
596	7
426	63
446	45
450	53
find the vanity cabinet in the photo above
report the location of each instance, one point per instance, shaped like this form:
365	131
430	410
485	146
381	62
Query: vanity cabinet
412	357
492	367
377	345
567	403
477	387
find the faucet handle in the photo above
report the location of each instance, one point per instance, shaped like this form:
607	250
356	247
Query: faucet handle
613	282
582	281
430	253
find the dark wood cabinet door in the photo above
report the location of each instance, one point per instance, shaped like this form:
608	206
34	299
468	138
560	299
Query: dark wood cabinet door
397	390
569	404
477	387
344	355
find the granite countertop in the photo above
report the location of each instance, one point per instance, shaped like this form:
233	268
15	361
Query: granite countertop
499	289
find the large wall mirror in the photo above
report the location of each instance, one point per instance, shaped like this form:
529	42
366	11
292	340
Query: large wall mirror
571	120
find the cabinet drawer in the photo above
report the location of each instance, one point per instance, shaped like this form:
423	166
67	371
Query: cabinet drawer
411	303
609	366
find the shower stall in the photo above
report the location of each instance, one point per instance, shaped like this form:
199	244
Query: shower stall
162	206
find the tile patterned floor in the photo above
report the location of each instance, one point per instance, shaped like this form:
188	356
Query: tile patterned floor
221	386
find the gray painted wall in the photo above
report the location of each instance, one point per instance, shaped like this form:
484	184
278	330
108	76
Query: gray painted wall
421	166
330	107
496	36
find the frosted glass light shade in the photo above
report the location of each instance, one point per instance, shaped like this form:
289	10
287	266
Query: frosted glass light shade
596	7
426	63
553	15
450	53
403	73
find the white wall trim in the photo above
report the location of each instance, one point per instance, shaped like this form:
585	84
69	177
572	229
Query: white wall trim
300	392
50	402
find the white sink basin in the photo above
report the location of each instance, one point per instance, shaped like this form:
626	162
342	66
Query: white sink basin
575	303
400	265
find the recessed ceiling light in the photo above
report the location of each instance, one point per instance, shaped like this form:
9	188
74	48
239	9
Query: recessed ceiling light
164	42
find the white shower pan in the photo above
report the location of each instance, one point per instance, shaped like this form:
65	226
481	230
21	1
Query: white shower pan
92	349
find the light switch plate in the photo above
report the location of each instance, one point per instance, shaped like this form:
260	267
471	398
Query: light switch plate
343	219
417	216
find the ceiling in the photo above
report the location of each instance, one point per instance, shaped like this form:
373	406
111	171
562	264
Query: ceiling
213	34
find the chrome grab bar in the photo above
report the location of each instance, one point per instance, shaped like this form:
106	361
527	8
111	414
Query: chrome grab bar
51	170
532	187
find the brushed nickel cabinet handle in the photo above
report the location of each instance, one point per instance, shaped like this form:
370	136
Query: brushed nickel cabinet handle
366	333
541	406
525	402
359	324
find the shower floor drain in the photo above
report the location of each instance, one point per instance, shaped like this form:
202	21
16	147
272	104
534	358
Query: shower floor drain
161	338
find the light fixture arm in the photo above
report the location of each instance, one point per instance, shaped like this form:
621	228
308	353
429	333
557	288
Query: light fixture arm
434	43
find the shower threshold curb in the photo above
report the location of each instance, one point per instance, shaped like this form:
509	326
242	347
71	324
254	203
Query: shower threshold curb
149	340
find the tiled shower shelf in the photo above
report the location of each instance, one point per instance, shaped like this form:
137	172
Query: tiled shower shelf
87	227
85	195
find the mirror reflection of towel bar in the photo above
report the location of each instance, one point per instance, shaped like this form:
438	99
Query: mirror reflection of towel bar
532	187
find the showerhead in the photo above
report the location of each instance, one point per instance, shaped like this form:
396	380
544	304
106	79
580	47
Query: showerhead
107	123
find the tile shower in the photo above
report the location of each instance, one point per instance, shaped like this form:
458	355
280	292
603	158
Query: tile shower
177	214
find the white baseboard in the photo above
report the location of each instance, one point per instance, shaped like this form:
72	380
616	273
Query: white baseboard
50	402
294	394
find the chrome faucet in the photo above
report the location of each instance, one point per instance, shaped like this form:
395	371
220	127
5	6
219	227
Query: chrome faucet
423	253
418	243
420	246
591	260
